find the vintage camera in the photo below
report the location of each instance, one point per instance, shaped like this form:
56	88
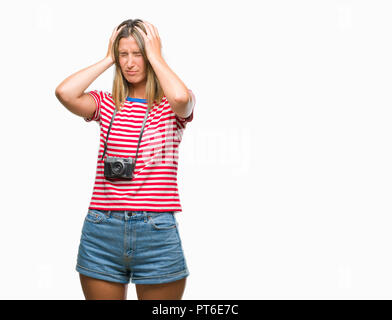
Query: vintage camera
121	168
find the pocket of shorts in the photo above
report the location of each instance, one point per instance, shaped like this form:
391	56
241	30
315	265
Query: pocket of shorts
95	216
162	220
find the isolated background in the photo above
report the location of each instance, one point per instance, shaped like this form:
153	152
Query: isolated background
285	172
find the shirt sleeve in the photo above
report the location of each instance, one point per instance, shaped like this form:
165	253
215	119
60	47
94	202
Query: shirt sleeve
98	97
190	117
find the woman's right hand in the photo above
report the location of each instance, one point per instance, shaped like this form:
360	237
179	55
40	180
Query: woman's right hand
109	54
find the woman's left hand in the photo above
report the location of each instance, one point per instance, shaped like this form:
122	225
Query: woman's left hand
151	40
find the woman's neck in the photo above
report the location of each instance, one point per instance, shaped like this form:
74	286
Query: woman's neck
137	93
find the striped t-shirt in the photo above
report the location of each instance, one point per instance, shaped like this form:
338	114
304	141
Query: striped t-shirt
154	184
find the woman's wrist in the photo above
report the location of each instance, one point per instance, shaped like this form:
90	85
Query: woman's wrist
108	60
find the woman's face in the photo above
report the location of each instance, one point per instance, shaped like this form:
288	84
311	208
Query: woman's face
131	60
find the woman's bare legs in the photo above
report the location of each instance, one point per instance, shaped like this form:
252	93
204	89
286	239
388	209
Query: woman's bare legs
163	291
95	289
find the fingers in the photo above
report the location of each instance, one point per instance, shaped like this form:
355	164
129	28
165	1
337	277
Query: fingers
148	28
141	32
117	30
151	30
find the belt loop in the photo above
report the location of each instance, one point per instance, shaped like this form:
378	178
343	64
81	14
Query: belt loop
145	216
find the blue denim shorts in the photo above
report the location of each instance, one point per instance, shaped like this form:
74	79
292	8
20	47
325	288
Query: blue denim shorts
141	246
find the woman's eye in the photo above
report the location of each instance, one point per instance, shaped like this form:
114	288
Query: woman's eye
124	54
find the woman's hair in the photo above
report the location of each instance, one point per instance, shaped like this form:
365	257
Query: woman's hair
154	92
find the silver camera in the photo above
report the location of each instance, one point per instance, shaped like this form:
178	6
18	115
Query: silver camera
119	168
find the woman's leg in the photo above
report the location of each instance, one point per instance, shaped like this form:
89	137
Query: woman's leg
95	289
163	291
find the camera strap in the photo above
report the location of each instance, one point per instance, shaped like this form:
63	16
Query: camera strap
140	136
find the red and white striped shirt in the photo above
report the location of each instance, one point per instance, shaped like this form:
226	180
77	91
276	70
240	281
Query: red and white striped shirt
154	185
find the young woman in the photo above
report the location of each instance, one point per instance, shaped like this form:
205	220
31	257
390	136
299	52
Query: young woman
130	232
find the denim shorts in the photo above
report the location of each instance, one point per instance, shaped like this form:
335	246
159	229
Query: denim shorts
141	246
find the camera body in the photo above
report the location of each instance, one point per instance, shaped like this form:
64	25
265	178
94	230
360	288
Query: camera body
119	168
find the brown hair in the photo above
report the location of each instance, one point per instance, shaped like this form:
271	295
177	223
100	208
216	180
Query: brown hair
154	92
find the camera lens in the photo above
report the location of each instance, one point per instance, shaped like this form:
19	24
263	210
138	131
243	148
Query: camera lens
117	167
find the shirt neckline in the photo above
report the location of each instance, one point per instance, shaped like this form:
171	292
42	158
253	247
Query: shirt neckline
136	99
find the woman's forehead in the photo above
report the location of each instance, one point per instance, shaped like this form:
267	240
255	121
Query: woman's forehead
128	43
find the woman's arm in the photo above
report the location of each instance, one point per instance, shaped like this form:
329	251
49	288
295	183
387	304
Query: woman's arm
175	90
70	92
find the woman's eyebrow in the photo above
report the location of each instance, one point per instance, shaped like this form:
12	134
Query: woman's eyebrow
124	51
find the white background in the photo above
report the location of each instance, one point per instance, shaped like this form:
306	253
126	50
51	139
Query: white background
285	171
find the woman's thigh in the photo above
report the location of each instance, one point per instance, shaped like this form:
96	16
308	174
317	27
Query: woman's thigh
163	291
97	289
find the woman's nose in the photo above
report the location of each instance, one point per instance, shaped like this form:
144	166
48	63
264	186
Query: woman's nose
130	62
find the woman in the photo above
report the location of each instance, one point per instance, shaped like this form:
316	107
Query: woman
130	232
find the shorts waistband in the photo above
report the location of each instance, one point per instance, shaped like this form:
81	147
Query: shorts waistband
126	214
129	212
